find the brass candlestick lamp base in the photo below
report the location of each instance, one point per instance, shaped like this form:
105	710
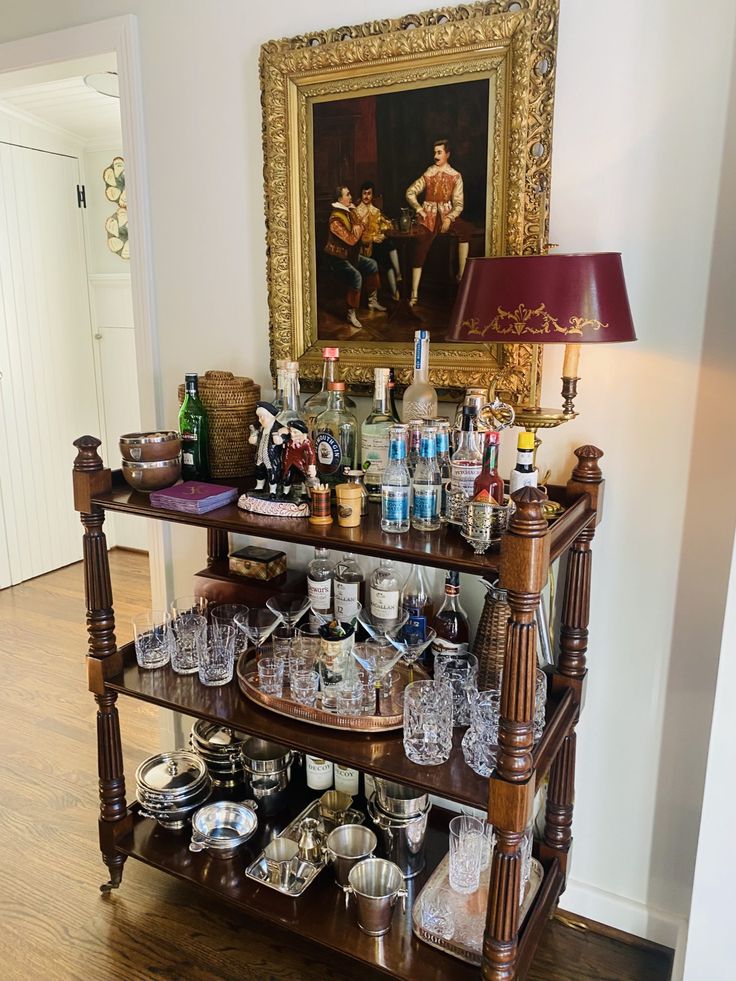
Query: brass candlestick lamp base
533	418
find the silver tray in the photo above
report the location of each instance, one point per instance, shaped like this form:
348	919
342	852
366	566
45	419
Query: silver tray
307	871
467	912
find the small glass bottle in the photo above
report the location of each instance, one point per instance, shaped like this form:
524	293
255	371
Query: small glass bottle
349	586
396	486
291	409
451	620
467	460
416	600
336	436
443	458
392	395
374	435
420	398
427	485
318	402
385	593
415	437
320	576
524	473
489	479
194	430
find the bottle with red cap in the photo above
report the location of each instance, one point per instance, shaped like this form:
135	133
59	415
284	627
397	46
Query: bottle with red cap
336	436
318	402
489	479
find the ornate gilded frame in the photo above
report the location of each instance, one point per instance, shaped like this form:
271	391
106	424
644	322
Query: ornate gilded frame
516	39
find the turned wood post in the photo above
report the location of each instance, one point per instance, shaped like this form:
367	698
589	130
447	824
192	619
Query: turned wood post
103	659
217	546
571	668
523	573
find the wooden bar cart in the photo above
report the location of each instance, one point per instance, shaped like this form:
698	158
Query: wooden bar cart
527	549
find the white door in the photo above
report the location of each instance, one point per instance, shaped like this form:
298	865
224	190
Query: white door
47	391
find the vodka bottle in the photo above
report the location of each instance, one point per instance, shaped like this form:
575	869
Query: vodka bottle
291	409
467	460
385	593
194	432
349	587
420	398
318	402
524	473
336	440
427	487
374	435
396	484
320	575
416	600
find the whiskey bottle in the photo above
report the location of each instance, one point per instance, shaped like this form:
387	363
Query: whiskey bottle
320	575
349	587
385	593
451	621
336	440
194	432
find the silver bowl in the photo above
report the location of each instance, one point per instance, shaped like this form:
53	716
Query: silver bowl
222	828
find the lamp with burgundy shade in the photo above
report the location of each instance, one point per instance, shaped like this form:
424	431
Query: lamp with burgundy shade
544	299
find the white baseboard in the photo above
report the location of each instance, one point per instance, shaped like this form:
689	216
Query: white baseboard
656	925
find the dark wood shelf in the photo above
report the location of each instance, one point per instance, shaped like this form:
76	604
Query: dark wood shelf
445	549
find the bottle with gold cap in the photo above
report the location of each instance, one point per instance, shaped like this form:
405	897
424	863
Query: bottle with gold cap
524	473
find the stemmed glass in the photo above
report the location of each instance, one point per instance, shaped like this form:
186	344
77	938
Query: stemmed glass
377	659
257	625
323	618
290	607
412	645
379	628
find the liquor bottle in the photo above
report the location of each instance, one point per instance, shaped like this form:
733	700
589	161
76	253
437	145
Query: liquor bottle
392	395
524	473
396	485
320	575
194	432
451	621
489	479
291	409
467	460
420	398
443	458
349	587
414	431
347	779
374	435
427	485
318	402
385	593
319	773
336	439
416	600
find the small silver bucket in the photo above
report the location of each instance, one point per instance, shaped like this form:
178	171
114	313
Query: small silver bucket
346	846
402	838
376	885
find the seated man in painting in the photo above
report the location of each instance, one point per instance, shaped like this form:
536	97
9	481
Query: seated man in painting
439	212
374	243
345	231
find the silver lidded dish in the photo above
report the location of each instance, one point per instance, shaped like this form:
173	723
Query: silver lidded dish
170	786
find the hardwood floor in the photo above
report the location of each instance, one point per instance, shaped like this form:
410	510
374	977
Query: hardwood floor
57	926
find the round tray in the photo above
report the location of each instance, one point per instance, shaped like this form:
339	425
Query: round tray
394	706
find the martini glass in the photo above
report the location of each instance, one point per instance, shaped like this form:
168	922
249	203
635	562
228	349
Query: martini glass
377	658
258	625
412	645
379	628
291	607
323	617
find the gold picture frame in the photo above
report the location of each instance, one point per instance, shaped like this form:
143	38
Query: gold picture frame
511	45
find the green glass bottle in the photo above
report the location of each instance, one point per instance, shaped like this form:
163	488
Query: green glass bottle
194	433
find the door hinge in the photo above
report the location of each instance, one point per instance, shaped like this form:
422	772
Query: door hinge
81	196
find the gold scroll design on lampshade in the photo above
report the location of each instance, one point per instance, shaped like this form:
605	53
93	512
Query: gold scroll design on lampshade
524	321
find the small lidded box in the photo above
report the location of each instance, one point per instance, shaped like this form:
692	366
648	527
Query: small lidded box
253	562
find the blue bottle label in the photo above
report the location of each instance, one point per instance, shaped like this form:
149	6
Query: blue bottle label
329	454
415	626
397	450
425	502
395	504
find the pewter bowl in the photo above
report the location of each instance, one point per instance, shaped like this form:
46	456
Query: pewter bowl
223	827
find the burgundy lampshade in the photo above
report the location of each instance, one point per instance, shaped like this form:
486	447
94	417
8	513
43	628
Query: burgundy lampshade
543	299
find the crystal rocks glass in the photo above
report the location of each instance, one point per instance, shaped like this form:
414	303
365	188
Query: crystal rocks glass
468	845
153	640
271	675
349	697
428	722
304	686
223	614
460	671
480	742
217	658
190	639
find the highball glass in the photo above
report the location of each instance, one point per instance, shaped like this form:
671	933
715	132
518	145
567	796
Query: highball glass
460	671
428	722
467	852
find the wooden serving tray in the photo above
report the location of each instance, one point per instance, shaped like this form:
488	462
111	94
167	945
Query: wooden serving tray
392	716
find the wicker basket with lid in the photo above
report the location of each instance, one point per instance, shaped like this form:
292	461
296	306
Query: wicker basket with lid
230	402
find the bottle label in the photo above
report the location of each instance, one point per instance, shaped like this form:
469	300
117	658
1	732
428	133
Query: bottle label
442	646
346	599
397	449
375	452
187	458
443	441
426	502
320	593
395	503
385	603
519	479
421	350
347	779
319	773
329	454
463	476
415	626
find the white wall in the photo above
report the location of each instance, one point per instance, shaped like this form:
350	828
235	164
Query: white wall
639	127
